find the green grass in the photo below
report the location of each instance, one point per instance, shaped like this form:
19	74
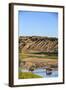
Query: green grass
46	57
27	75
23	55
45	53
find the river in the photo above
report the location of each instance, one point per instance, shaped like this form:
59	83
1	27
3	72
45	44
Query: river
42	72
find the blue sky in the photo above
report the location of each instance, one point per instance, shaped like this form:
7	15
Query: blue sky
38	23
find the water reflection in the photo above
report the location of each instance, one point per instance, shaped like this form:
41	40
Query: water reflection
48	71
44	72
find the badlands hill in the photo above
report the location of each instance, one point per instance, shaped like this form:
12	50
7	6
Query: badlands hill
38	43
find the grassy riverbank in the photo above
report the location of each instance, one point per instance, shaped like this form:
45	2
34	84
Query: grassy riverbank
36	60
26	75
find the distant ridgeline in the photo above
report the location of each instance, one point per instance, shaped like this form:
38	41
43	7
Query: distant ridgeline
38	43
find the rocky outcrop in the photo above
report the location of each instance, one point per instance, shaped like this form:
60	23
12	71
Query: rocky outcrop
38	43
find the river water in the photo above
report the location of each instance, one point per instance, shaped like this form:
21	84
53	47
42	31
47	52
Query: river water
42	72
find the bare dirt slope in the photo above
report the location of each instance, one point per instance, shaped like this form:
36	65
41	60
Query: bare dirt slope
38	43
